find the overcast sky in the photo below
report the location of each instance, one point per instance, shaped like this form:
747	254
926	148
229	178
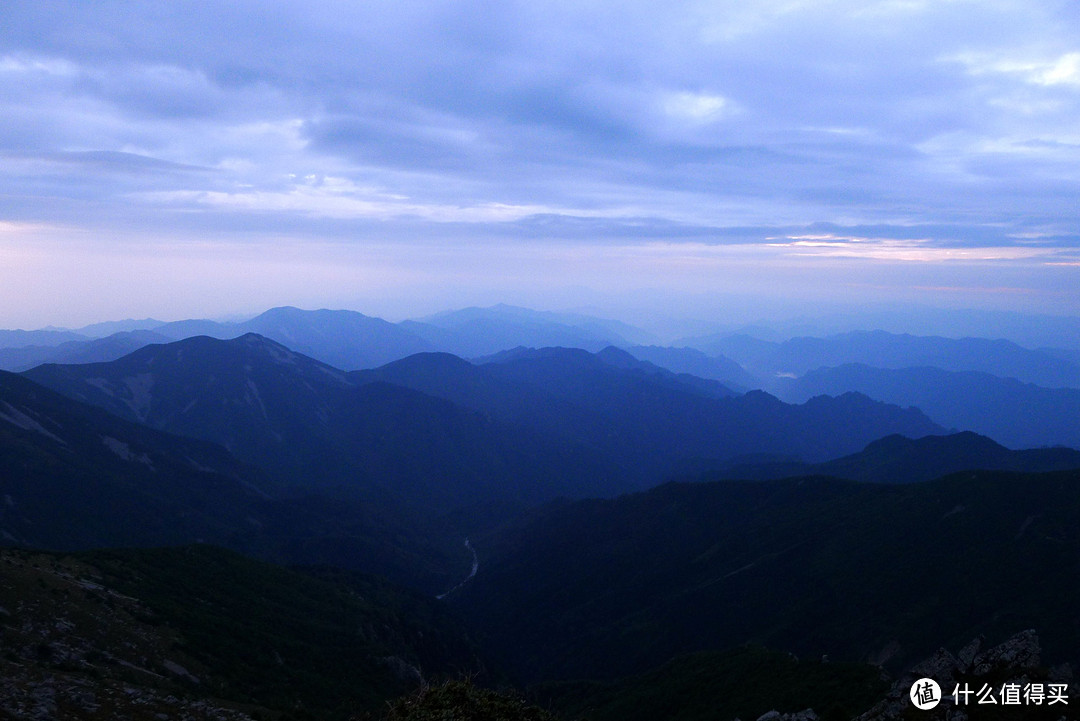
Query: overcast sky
182	159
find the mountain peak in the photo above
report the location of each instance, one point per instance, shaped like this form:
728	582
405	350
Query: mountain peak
964	441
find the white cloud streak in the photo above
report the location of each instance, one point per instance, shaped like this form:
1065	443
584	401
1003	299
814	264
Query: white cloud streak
534	123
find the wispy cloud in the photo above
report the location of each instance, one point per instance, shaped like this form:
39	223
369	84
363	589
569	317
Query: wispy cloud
908	130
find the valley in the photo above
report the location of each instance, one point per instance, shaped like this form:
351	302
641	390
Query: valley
581	524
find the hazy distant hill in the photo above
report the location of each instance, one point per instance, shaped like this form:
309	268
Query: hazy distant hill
180	329
352	341
473	332
86	350
697	363
341	338
797	356
619	358
306	423
23	338
896	459
884	573
111	327
1020	415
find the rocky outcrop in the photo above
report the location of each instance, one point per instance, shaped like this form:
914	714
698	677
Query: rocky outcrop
977	678
70	648
804	715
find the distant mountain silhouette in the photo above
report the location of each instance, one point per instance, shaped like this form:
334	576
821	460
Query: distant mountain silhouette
697	363
472	332
112	327
896	459
1020	415
189	328
23	338
341	338
619	358
647	420
879	349
353	341
86	350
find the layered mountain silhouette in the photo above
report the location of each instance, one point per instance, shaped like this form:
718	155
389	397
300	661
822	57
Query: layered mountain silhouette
23	338
1020	415
351	341
84	350
342	338
305	423
865	530
897	459
472	332
880	349
527	427
649	420
696	363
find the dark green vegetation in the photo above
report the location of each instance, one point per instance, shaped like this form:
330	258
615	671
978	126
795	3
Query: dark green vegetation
744	682
861	572
196	623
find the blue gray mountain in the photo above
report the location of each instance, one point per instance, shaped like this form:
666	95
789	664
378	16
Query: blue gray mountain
797	356
1018	414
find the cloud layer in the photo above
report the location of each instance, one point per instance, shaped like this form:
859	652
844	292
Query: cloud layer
893	131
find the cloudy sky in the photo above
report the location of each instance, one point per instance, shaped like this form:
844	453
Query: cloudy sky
182	159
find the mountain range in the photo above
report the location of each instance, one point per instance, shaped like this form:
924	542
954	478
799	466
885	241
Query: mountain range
306	424
437	430
529	487
797	356
1018	414
898	459
647	419
77	477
